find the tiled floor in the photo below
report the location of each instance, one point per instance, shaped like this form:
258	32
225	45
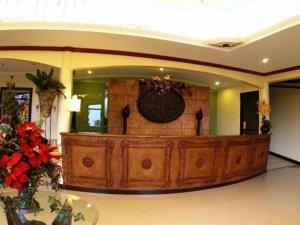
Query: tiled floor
277	163
269	199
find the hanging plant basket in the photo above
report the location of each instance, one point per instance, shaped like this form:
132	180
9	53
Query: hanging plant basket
46	99
47	89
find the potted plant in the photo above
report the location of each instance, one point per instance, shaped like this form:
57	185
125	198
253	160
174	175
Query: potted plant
28	160
47	89
264	110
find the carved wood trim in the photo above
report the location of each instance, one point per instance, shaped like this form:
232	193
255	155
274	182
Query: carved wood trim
70	178
167	147
265	141
183	147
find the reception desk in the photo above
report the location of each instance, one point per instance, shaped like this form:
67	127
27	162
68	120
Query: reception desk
159	164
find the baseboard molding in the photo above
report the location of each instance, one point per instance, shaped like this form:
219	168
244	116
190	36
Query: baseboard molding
151	192
285	158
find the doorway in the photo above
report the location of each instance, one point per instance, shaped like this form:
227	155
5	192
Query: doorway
249	123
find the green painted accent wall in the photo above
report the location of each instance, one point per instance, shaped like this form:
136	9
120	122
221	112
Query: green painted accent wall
94	94
213	100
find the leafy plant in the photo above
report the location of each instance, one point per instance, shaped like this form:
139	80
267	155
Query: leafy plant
266	122
44	81
64	209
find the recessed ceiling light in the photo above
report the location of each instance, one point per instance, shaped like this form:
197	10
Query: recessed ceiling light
161	69
90	72
217	83
265	60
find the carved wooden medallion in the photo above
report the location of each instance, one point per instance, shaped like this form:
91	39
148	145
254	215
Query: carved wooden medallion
161	108
146	164
87	161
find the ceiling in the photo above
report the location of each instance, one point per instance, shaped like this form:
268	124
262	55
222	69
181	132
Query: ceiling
21	67
135	72
267	29
16	67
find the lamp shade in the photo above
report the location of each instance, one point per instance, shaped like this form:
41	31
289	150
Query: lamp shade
75	103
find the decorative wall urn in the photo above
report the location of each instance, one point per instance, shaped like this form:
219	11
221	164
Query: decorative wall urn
46	99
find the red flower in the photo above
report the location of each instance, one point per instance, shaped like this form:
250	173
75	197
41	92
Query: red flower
9	162
28	127
14	170
31	144
36	154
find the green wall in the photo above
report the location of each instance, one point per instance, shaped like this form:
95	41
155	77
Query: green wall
213	112
90	94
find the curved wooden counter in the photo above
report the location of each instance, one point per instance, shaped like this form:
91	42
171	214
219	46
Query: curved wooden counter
119	163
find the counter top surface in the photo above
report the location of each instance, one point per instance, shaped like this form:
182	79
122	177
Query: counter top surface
149	136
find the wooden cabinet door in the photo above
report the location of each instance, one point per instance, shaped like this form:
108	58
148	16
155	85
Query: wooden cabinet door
237	158
198	162
87	164
146	163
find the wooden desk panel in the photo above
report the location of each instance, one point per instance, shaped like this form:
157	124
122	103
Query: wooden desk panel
139	164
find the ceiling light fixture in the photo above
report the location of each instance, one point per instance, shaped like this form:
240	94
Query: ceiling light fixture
217	83
90	72
265	60
161	69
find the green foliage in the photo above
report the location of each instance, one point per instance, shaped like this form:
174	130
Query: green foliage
64	209
45	81
266	122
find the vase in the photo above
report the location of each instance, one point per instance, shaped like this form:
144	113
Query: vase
15	209
265	129
64	216
26	201
46	99
63	219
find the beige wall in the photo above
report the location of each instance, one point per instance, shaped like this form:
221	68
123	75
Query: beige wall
285	122
228	110
22	81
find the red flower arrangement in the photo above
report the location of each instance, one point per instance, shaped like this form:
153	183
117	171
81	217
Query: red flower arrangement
26	156
27	160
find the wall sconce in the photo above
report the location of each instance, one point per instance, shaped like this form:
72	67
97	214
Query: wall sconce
75	104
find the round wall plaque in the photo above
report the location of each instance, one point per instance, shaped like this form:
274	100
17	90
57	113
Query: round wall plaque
161	108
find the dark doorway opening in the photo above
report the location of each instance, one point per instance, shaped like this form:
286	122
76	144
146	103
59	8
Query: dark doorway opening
249	123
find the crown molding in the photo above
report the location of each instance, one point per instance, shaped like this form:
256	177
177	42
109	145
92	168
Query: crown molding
143	55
